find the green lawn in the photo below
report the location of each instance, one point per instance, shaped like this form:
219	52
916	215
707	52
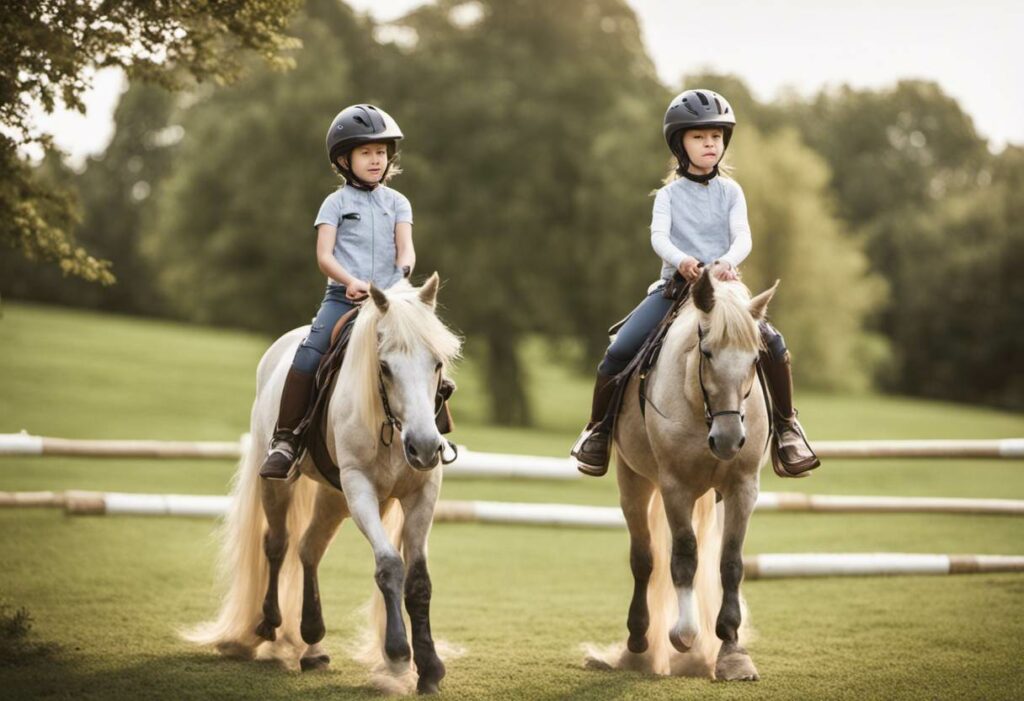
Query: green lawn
106	594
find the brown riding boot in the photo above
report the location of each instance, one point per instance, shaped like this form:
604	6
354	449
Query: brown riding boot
792	455
593	447
298	390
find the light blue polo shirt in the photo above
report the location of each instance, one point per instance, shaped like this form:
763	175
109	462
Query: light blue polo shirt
365	220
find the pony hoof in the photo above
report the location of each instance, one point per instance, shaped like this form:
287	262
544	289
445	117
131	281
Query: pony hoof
428	686
681	642
637	645
736	667
313	664
266	631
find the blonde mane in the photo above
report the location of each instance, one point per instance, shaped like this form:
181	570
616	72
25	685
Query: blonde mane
730	324
407	324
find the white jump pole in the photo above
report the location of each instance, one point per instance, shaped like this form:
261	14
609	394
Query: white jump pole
786	565
77	502
493	465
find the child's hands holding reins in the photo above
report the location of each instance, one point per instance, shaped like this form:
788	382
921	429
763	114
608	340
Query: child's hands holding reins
357	290
690	268
725	271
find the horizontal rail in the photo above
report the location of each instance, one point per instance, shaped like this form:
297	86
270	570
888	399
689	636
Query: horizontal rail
513	513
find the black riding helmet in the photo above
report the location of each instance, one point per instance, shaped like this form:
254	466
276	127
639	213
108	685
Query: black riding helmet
357	125
696	109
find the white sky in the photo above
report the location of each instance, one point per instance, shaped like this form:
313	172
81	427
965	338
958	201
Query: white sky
975	51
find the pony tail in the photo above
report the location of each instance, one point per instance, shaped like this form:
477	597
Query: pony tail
243	569
242	566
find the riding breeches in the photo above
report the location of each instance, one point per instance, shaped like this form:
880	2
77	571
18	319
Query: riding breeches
315	344
647	315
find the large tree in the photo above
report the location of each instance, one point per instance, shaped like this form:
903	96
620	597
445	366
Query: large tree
49	52
532	130
230	234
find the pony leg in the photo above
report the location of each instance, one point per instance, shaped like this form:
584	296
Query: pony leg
328	513
364	505
634	498
734	663
419	514
683	565
276	497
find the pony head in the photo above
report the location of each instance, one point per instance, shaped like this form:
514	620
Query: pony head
398	353
729	344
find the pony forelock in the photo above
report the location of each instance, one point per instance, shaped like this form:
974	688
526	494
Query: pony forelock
730	323
408	323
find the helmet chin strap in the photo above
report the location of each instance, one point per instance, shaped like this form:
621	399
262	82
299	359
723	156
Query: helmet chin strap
702	179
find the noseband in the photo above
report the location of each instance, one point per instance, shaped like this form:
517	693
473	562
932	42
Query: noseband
709	416
392	422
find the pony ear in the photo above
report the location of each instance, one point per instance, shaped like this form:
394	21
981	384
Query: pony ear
428	292
704	292
379	298
759	305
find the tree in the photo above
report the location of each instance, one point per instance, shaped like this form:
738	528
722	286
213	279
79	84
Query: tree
112	193
532	128
50	49
230	234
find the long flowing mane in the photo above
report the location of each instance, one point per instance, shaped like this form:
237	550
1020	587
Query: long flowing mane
730	323
407	324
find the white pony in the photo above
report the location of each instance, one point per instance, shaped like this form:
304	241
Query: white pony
398	352
704	430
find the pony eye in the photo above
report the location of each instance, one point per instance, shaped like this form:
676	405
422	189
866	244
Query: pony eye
437	368
705	353
386	369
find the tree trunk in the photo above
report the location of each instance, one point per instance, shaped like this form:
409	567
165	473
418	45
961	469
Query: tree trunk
506	381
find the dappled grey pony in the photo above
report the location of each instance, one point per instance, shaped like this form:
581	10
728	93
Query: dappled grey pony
704	430
277	531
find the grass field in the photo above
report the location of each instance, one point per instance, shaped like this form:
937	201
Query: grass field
107	594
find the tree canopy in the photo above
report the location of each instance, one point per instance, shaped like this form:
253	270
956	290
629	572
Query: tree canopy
50	50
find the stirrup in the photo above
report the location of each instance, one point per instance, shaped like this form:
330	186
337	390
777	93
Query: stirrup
585	465
279	461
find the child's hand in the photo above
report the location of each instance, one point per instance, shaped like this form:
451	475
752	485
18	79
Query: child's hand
725	272
690	269
356	290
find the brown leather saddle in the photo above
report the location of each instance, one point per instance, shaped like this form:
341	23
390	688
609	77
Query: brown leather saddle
678	290
313	427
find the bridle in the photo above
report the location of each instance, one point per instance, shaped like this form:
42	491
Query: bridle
392	423
709	416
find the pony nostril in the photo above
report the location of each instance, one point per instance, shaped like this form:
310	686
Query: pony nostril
711	442
742	441
411	450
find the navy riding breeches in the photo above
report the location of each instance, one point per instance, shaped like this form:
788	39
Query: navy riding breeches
314	345
647	315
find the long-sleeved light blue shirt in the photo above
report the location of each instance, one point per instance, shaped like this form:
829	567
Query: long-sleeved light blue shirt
708	222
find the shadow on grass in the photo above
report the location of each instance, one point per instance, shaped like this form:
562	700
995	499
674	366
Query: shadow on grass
187	675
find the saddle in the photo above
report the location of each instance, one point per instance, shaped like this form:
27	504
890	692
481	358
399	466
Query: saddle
313	427
678	290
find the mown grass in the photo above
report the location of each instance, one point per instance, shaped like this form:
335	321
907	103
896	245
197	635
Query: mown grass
107	594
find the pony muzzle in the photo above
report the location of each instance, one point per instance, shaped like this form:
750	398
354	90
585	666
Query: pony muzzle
727	436
422	453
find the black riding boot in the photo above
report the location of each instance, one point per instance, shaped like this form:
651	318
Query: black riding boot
792	455
298	390
593	447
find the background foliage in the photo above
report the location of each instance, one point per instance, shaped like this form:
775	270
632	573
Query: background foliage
533	144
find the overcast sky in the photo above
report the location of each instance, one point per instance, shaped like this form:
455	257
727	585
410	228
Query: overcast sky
975	51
